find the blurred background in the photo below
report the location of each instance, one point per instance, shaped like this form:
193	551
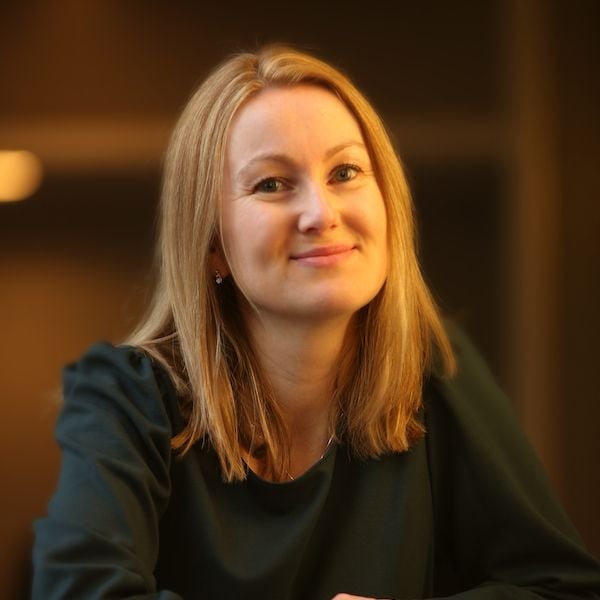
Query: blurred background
493	107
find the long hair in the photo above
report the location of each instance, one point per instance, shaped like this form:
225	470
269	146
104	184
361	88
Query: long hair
195	330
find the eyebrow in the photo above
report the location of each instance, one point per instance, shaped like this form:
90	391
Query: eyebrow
288	160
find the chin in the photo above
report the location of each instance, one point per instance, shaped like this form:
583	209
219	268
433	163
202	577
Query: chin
337	307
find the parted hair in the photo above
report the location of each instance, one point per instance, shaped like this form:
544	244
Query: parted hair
194	329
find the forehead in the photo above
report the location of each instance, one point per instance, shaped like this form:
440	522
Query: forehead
291	118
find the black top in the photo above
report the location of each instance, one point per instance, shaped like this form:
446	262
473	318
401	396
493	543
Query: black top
467	511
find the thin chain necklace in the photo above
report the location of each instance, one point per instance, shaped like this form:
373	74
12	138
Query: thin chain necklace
292	478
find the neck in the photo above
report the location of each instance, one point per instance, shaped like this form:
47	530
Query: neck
301	362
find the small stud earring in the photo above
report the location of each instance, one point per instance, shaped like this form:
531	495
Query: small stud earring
218	278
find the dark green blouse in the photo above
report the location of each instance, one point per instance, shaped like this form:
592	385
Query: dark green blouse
467	511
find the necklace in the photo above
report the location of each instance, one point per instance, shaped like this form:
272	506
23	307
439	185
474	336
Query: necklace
292	478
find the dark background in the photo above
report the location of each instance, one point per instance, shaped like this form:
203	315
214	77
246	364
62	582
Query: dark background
493	107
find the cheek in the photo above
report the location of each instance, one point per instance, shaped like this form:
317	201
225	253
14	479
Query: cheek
370	219
251	233
374	221
378	220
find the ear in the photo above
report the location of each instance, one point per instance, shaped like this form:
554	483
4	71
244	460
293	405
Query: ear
217	262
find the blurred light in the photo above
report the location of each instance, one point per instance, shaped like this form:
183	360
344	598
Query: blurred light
20	174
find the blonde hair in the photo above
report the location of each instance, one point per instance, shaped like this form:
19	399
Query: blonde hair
194	329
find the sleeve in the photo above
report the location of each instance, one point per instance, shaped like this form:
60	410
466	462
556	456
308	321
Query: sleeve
500	532
100	537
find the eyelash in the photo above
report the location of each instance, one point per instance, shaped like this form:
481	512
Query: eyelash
279	180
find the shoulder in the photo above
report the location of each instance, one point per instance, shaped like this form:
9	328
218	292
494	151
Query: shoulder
107	363
476	444
123	381
470	398
471	424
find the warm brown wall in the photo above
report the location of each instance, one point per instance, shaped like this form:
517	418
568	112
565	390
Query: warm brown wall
578	64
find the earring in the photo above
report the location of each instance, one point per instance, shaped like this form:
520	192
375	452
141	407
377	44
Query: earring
218	278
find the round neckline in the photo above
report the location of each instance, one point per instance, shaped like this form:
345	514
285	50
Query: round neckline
288	483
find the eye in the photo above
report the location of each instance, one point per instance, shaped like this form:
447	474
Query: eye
269	185
346	172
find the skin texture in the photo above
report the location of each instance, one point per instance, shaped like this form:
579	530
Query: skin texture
304	234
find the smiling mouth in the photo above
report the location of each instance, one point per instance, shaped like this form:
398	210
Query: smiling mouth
324	256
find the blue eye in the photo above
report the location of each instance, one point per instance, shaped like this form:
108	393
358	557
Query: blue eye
346	173
269	185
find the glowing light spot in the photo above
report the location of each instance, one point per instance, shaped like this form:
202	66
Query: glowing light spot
20	174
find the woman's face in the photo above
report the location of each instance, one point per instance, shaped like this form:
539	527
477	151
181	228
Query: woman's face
303	219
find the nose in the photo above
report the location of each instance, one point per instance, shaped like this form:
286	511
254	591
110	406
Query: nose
318	209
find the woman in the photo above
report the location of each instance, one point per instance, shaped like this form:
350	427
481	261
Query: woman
288	420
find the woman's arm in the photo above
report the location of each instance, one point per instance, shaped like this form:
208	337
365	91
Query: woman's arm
500	531
100	538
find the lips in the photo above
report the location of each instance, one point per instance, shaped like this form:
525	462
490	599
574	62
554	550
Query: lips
324	256
323	251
